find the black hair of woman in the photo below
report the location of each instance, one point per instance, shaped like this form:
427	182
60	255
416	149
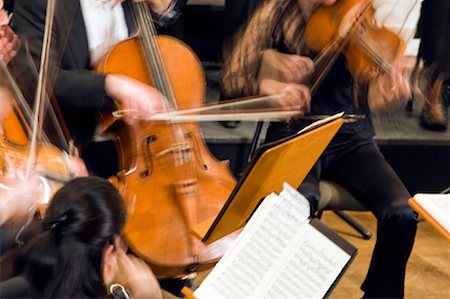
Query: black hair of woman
66	259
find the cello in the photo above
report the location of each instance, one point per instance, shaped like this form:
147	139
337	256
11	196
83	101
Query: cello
168	177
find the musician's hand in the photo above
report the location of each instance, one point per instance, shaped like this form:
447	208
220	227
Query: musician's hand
76	166
388	92
295	96
287	68
19	200
9	43
136	276
136	99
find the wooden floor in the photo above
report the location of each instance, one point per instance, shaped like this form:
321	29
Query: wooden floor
428	272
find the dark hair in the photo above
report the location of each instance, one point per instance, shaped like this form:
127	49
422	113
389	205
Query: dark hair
65	259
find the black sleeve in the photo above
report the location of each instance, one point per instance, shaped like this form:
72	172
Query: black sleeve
173	23
77	87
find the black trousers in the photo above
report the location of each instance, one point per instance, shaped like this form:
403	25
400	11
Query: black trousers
361	168
434	32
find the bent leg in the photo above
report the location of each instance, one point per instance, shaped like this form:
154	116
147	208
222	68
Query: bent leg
365	173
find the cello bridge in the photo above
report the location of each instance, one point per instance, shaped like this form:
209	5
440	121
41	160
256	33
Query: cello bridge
183	148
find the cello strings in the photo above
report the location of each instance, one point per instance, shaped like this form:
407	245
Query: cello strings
148	49
155	63
151	46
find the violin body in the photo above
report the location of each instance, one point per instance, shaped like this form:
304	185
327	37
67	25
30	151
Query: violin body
49	165
13	125
50	169
367	47
50	161
168	177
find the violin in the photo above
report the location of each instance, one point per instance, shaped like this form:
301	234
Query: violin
349	27
50	164
11	120
168	177
24	148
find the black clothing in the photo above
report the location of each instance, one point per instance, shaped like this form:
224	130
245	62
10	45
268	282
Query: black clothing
434	32
352	158
360	168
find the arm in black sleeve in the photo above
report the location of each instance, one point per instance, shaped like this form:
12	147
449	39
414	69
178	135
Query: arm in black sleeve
77	87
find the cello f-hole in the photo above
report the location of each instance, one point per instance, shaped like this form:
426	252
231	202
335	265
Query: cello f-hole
147	156
196	151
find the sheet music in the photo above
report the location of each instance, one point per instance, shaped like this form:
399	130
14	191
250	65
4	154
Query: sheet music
437	205
313	265
278	254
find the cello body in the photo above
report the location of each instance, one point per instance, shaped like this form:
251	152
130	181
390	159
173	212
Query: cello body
168	177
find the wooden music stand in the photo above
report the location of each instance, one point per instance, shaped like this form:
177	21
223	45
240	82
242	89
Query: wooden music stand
434	214
287	160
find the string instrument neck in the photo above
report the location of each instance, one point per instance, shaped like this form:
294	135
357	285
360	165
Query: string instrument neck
152	52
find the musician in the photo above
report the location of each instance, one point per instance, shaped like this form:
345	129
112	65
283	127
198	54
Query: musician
272	56
77	251
14	210
85	31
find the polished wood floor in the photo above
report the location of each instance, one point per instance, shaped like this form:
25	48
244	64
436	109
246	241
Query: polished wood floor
428	271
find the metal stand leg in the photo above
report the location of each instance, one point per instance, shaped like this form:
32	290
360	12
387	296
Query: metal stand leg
364	232
255	140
